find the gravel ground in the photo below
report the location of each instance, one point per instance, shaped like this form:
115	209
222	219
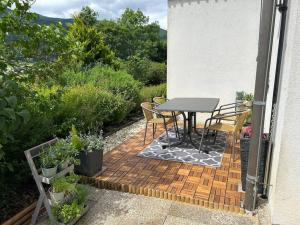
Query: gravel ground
120	136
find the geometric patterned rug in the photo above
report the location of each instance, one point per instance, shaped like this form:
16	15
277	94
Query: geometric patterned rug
187	153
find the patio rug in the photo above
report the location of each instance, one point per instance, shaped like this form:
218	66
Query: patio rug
187	153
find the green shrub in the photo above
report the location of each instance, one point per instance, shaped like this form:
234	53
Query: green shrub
41	105
73	78
116	82
148	93
146	71
157	73
89	108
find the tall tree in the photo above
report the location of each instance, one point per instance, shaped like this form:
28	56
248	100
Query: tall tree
133	18
88	16
133	34
91	43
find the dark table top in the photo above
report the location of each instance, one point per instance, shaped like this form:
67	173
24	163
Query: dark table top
205	105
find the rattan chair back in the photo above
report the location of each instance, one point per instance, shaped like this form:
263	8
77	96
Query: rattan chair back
159	100
147	107
240	120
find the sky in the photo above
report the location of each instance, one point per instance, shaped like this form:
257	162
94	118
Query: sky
108	9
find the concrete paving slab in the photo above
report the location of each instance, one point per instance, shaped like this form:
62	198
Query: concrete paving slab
119	208
114	207
207	216
173	220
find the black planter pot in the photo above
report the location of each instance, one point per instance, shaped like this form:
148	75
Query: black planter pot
244	154
90	163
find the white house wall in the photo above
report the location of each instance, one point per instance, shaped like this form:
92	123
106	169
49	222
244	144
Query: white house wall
212	47
285	176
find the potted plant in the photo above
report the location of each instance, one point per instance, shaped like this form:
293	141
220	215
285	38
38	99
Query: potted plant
66	153
244	156
91	152
48	163
70	211
72	178
58	189
67	212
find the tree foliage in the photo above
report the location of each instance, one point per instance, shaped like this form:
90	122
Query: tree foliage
88	16
28	53
133	34
91	43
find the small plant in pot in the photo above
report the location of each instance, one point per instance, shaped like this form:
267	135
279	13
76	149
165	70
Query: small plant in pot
66	153
67	212
48	163
58	189
72	209
91	153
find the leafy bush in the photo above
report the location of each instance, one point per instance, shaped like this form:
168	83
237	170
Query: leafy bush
89	108
117	82
148	93
41	105
157	73
146	71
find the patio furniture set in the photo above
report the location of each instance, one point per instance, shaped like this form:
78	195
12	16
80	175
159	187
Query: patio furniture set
228	118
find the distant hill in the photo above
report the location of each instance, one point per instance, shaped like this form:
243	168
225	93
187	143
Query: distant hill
45	20
48	20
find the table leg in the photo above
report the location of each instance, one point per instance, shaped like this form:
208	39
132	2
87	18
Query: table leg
190	128
187	132
183	139
195	124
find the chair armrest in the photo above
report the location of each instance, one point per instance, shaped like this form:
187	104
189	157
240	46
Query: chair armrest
228	114
229	104
154	111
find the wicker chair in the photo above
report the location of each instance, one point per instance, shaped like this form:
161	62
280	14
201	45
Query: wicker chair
219	125
236	106
173	115
154	117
